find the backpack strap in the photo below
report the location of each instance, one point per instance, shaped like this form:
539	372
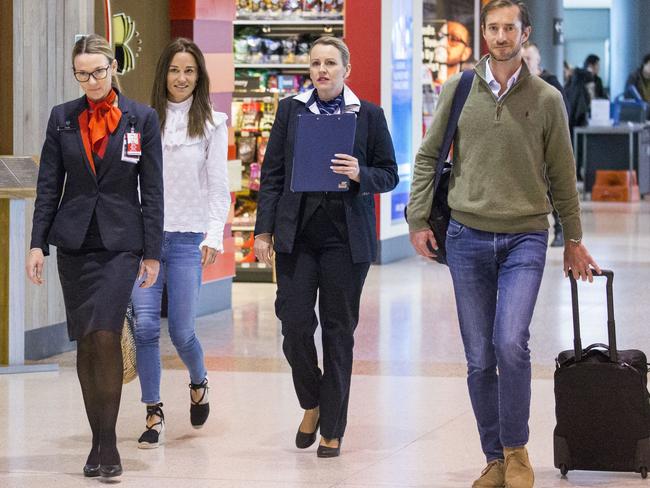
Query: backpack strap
460	96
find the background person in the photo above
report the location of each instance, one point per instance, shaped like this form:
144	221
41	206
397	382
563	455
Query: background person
640	79
533	59
592	64
197	200
324	242
87	205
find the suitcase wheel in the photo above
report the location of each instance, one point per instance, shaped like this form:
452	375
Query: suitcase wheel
564	470
644	472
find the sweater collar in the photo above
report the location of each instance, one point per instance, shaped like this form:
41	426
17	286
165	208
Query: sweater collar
481	70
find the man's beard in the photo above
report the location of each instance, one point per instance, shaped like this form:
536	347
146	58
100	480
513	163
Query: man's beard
506	55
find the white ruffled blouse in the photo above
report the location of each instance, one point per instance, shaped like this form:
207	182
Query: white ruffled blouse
195	175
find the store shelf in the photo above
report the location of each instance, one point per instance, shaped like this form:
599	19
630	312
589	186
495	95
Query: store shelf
243	228
289	22
270	66
253	272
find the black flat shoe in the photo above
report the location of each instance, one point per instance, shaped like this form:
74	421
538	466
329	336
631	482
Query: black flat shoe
91	470
329	452
110	470
304	440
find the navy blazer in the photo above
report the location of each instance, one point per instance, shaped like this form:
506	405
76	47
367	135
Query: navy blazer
278	208
68	191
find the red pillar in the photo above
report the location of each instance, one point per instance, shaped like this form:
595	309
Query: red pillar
362	34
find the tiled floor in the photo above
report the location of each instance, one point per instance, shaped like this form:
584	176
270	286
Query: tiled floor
410	421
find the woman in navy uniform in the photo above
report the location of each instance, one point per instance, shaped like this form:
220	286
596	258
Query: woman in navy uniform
98	150
324	242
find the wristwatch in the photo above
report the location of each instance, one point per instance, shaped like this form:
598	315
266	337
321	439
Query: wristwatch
575	241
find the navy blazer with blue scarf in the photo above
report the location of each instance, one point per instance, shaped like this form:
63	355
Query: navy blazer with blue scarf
278	208
69	192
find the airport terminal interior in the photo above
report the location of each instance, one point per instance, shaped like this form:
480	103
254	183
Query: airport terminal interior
410	421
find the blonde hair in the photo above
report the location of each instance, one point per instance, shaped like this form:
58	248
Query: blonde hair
95	44
337	43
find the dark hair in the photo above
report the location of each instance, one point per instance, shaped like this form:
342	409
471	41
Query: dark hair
591	60
201	109
94	44
524	15
646	59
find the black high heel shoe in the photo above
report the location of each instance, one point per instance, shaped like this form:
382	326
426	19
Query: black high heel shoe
329	452
91	470
304	439
110	470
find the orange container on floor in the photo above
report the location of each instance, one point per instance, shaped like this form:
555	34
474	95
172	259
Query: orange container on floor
615	186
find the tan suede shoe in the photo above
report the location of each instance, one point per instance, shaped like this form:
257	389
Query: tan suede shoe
518	471
492	476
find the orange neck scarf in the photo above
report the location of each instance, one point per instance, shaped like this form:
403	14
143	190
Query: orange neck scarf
104	119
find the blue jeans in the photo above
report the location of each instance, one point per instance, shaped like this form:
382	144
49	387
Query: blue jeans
180	269
496	281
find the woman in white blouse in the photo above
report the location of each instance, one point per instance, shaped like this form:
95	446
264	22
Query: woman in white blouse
195	140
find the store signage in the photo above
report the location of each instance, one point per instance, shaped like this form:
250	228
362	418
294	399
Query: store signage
402	103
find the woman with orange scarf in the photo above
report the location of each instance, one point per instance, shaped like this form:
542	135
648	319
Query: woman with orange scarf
99	200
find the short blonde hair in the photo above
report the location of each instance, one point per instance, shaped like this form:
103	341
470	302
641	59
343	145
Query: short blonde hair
95	44
337	43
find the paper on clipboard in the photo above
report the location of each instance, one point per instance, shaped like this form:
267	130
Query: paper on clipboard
318	138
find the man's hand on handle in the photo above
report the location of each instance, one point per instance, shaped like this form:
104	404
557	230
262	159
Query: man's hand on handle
579	262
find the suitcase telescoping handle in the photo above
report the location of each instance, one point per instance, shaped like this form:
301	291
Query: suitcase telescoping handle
611	326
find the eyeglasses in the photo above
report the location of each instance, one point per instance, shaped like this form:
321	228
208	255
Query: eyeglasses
453	40
98	74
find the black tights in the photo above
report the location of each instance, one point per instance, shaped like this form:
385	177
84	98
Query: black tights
99	367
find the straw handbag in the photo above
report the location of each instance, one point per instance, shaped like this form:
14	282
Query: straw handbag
128	346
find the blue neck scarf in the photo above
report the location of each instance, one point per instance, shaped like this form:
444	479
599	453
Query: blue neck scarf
331	106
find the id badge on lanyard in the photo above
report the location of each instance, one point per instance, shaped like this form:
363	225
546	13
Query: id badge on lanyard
132	147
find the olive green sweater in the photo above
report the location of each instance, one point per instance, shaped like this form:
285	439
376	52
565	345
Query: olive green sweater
507	155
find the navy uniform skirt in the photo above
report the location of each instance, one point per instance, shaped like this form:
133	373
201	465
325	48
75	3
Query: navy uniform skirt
97	285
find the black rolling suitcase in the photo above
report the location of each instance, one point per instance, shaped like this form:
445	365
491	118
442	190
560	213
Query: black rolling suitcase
601	402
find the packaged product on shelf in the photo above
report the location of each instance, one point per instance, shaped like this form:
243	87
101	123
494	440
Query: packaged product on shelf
306	84
236	114
250	119
272	51
240	45
289	50
291	7
272	82
255	49
310	7
246	149
243	7
302	51
262	142
289	83
257	6
266	122
328	6
254	177
274	7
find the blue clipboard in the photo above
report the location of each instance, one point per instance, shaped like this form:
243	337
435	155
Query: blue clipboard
318	138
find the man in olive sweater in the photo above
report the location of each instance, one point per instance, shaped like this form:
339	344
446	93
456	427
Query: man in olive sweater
512	146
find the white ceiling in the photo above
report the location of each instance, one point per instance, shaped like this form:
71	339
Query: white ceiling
587	3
